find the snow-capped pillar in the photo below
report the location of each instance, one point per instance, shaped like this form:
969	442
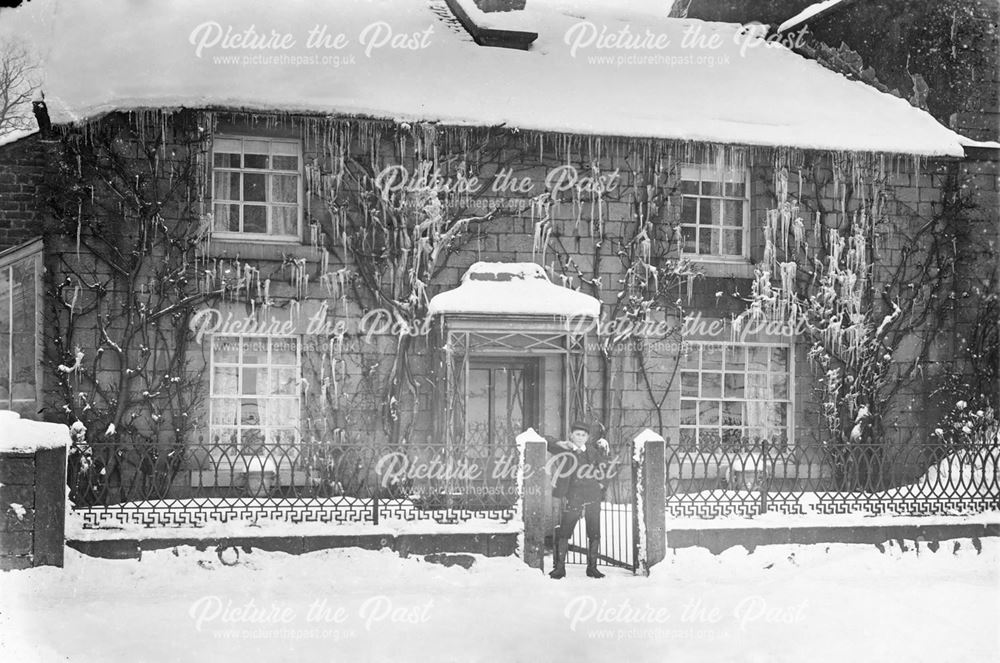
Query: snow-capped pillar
531	493
649	456
32	492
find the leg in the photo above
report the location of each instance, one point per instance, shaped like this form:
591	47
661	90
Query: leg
567	523
593	518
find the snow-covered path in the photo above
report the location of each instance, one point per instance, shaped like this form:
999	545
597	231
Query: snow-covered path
781	603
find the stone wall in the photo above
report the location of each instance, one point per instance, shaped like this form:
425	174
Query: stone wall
32	493
633	398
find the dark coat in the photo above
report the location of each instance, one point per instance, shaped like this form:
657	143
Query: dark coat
586	480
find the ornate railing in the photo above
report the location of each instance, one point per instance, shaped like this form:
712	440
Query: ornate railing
904	478
347	481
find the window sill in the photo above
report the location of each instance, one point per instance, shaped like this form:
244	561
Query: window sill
248	249
720	267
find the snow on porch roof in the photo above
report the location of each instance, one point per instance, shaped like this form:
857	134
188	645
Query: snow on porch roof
512	288
598	67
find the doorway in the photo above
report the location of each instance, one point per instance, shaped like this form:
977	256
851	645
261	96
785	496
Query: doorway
503	401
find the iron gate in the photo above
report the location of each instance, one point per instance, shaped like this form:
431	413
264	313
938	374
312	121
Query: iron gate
619	522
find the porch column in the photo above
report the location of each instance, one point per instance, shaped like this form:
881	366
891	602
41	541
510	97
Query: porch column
649	453
532	485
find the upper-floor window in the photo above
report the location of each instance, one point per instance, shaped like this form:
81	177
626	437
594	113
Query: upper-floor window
257	187
715	211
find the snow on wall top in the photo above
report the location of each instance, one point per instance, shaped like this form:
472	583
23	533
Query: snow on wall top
808	13
598	67
15	136
25	436
516	288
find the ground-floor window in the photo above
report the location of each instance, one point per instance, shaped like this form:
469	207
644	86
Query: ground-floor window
734	395
20	272
255	392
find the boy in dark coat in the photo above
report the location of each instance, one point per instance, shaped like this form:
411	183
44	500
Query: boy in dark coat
581	471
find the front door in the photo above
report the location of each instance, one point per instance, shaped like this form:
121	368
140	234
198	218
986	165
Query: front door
502	403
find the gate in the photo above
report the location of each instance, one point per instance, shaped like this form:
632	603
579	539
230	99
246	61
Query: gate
619	522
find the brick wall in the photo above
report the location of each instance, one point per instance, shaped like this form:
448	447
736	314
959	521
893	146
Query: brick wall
21	166
978	274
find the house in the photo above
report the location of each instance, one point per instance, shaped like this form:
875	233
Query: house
325	265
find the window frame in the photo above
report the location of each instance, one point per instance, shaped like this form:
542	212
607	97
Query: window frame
268	205
265	428
789	424
719	176
32	249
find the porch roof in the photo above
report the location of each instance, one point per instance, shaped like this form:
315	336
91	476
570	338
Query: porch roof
512	288
598	67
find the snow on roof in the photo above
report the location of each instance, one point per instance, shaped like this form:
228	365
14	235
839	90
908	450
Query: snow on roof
600	67
987	144
513	288
25	436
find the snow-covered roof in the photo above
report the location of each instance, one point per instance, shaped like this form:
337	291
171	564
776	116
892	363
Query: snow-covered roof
601	67
986	144
512	288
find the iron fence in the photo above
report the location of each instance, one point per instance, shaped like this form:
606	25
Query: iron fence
902	478
346	481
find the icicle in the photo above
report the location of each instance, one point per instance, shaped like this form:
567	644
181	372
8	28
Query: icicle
79	228
799	233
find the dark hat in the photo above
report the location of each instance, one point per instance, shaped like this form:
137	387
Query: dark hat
579	425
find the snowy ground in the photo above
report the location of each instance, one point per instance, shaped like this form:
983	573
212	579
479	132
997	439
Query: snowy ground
781	603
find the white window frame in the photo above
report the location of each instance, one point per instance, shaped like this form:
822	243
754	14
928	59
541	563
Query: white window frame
724	346
268	204
714	174
29	250
239	364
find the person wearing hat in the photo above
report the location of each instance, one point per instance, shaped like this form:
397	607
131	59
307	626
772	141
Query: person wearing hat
581	470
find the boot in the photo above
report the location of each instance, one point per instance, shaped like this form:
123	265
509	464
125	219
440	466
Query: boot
558	558
593	545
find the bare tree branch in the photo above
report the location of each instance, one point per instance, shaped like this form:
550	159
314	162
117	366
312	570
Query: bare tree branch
18	83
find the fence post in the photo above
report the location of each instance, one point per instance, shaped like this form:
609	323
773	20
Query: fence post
649	451
764	478
531	493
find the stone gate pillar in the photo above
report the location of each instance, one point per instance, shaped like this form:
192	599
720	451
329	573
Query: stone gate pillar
32	492
649	453
531	484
